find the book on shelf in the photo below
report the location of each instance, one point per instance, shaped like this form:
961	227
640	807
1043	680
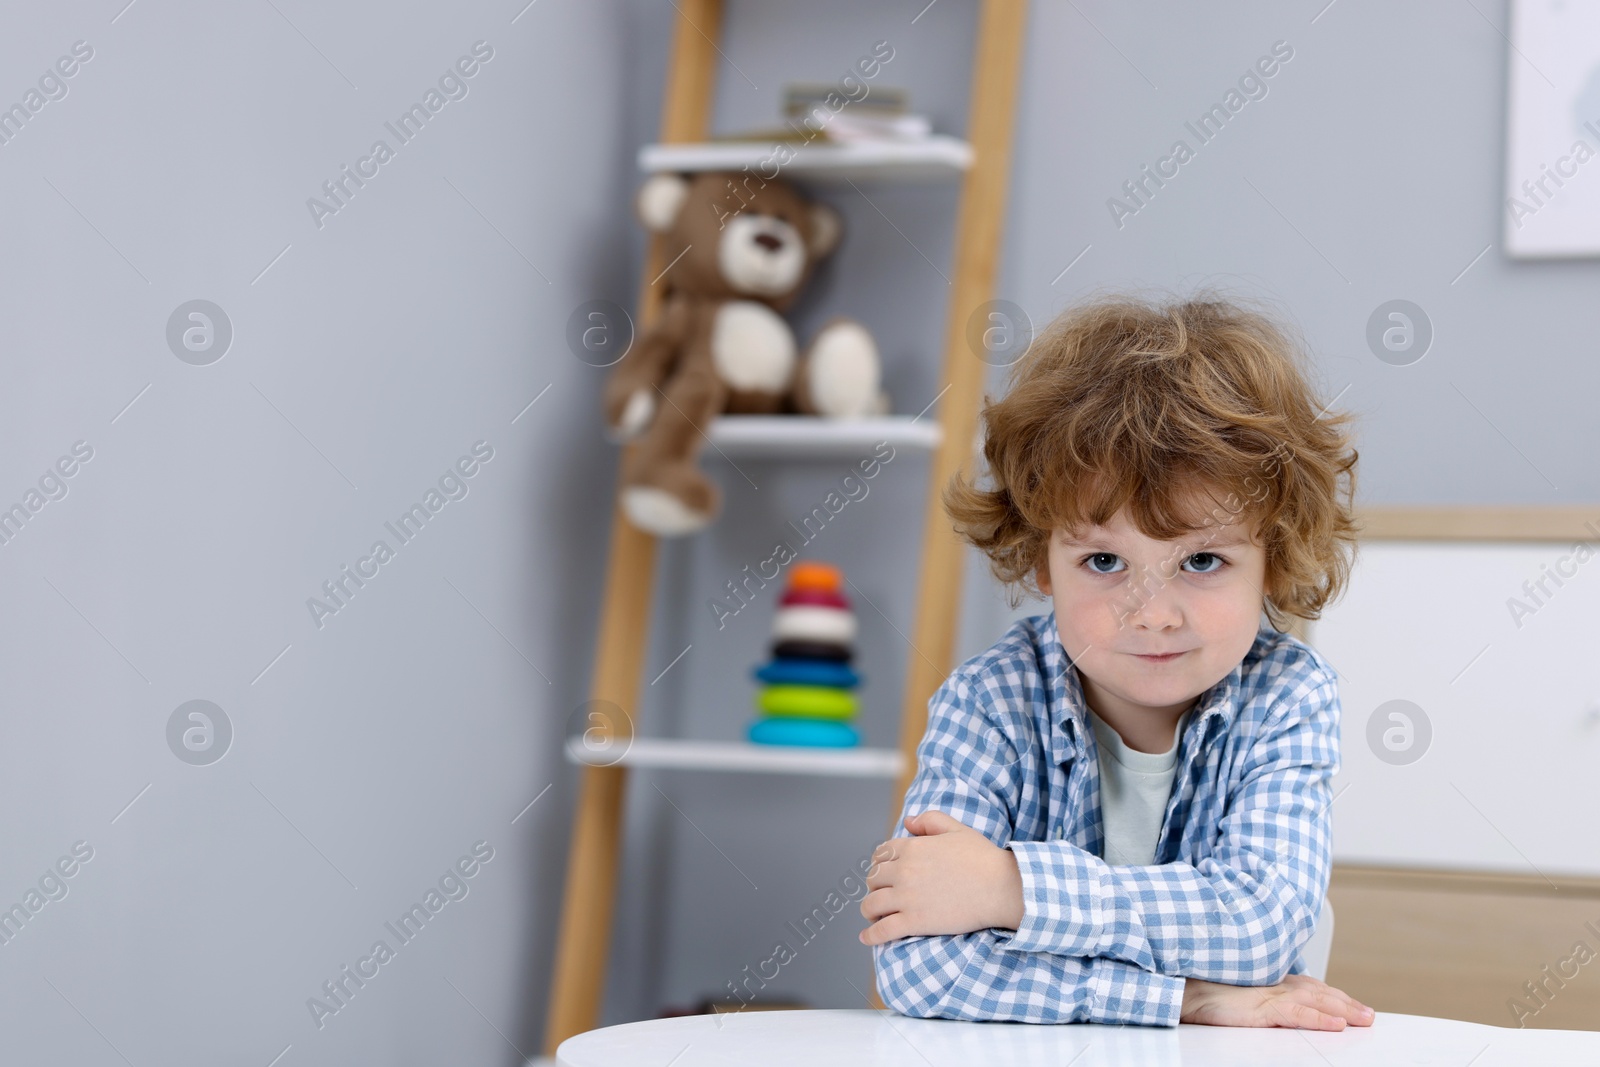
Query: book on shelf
811	111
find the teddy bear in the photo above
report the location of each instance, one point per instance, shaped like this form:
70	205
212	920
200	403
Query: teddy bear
740	250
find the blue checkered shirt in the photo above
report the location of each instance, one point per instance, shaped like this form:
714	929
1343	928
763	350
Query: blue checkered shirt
1241	863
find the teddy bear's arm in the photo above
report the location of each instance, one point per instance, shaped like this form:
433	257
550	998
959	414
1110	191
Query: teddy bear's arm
630	391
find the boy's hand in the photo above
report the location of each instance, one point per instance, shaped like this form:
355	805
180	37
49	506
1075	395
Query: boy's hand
949	879
1299	1002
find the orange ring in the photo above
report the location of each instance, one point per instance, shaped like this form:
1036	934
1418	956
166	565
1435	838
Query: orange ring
809	574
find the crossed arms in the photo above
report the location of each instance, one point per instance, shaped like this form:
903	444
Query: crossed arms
970	923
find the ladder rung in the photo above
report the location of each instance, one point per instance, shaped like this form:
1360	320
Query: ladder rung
739	756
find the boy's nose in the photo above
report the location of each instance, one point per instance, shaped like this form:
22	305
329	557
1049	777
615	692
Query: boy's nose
1152	605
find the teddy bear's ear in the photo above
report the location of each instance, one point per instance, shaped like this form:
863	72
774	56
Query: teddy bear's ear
826	229
659	200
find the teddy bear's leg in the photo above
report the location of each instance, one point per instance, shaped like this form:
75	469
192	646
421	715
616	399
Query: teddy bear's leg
839	373
664	492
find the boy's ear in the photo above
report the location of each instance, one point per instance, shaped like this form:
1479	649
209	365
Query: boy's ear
1042	575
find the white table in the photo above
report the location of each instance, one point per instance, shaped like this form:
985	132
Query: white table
879	1039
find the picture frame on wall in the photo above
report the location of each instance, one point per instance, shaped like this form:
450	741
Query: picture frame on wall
1552	195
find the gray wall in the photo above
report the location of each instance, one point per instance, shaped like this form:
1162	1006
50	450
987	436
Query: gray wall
371	753
419	319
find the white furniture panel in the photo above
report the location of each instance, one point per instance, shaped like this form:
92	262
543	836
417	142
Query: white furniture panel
1506	780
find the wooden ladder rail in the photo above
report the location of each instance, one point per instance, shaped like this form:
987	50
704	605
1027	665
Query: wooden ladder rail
578	980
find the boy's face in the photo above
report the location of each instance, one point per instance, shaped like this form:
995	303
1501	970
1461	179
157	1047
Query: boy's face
1120	595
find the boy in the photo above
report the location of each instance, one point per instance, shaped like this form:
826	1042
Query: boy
1120	811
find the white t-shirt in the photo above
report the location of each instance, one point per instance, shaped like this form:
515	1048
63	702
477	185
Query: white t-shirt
1134	789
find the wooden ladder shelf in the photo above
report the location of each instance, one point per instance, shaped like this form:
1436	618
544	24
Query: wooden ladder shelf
578	981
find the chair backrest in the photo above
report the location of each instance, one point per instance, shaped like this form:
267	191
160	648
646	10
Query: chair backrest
1314	953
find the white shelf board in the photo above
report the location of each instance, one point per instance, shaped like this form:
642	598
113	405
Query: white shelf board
741	756
928	159
809	435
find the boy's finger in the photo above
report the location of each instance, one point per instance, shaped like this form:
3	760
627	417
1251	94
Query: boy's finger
1337	1002
876	904
1330	1001
879	877
1290	1008
1358	1005
1313	983
1354	1011
884	853
936	822
1306	1017
885	929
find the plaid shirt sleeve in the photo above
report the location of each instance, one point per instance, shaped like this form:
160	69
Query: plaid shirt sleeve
1240	914
965	770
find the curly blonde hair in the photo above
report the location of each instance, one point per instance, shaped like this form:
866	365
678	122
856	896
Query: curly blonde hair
1123	401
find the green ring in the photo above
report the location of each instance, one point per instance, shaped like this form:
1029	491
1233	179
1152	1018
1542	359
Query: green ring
807	702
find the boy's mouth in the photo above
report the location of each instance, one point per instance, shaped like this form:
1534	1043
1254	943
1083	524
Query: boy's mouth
1166	658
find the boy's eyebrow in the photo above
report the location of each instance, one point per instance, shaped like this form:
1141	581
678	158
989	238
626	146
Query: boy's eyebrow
1230	541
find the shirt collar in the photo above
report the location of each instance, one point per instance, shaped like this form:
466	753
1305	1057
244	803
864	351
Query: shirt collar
1070	714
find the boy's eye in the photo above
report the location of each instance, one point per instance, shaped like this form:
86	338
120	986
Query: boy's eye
1104	562
1207	556
1099	556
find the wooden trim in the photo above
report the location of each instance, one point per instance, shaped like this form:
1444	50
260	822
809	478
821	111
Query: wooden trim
584	940
1457	881
1480	523
1484	947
